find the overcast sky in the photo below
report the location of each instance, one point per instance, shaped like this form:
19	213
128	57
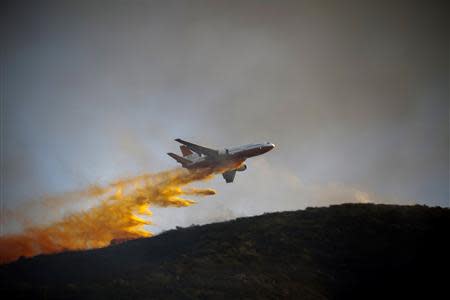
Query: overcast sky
355	95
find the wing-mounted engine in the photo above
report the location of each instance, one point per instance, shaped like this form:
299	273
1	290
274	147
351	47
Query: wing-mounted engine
229	176
242	167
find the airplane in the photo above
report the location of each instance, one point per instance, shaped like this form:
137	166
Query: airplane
198	157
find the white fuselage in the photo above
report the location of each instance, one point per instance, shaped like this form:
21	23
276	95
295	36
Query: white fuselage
228	155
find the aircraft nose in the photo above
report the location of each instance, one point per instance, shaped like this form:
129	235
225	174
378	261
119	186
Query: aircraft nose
270	146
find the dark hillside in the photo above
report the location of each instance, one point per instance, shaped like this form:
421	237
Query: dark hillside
346	251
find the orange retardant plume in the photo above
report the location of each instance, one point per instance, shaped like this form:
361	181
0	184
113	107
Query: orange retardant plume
118	216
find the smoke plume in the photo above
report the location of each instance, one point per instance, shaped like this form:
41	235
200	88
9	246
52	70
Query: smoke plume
120	214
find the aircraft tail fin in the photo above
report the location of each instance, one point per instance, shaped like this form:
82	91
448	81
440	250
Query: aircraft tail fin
183	161
185	151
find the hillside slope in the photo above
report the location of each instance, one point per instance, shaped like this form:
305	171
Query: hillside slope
341	252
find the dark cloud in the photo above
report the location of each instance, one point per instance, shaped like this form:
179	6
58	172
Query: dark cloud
354	94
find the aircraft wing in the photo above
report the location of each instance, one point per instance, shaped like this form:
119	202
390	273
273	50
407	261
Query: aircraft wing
229	176
199	149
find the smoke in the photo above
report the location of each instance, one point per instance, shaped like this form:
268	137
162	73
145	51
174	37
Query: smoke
121	214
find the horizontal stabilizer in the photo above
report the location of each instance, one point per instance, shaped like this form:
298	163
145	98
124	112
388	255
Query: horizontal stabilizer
181	160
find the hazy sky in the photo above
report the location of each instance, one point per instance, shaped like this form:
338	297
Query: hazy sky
355	94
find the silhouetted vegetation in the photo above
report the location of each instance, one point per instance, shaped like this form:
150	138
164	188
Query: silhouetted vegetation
345	251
